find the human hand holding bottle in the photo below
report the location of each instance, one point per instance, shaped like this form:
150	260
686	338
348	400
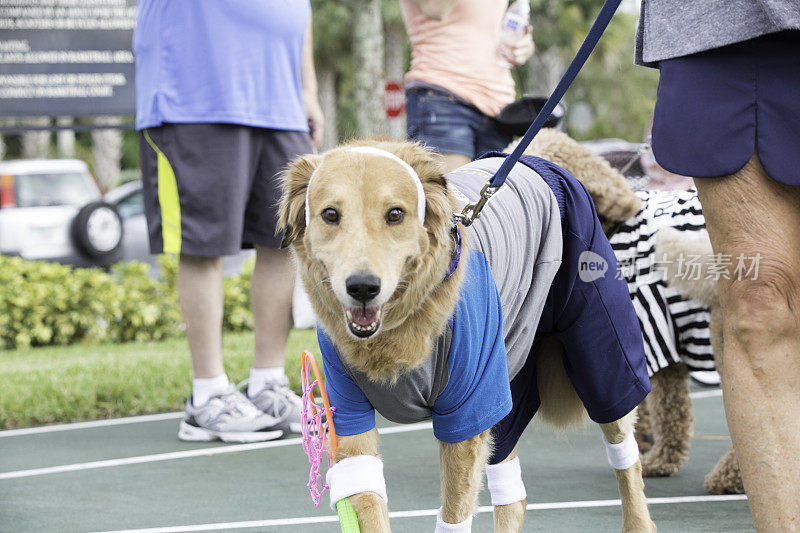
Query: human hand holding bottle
516	42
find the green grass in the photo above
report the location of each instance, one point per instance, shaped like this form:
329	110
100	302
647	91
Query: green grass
90	382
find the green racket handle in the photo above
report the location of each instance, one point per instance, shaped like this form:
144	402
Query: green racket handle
347	516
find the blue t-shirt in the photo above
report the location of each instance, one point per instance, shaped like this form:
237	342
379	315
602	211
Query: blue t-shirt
463	386
232	61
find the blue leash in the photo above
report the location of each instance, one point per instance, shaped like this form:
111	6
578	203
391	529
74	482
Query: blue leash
471	211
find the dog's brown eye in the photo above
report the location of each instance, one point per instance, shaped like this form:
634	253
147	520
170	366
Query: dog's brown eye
395	215
330	215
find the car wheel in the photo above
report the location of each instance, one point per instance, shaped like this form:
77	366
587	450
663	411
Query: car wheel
97	232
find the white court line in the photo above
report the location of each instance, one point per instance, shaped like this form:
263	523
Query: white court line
178	414
705	394
92	424
427	512
217	450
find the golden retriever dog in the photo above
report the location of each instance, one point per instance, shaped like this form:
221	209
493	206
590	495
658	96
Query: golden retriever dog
409	305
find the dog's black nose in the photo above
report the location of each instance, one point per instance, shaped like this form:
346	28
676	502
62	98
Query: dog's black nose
363	287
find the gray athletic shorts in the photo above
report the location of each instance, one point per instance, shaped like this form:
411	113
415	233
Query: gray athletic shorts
212	189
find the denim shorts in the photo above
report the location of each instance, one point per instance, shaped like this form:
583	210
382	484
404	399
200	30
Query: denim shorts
450	125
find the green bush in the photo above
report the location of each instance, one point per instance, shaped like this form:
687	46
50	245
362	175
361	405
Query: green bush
50	304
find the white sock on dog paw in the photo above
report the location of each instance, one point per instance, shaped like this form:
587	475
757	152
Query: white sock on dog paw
360	473
505	482
623	455
444	527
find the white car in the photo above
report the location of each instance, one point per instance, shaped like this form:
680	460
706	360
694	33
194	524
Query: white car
129	201
52	209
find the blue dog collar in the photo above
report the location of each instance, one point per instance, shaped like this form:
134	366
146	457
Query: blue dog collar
455	257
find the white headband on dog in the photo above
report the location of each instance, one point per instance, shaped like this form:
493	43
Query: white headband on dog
383	153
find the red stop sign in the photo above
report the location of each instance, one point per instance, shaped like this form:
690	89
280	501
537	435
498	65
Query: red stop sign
394	99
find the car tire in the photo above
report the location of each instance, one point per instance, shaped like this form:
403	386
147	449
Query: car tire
97	232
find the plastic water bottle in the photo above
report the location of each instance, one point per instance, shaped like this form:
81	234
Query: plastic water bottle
515	22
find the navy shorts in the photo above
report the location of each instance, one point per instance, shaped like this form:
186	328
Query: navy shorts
715	108
450	124
589	310
212	189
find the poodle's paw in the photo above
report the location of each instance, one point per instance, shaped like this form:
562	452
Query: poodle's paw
658	463
721	481
723	485
725	477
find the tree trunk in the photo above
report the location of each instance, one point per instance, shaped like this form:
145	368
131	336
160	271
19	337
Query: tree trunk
395	70
65	139
369	74
545	70
107	151
36	143
326	89
3	147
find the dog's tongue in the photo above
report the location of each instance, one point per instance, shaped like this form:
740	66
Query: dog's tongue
364	316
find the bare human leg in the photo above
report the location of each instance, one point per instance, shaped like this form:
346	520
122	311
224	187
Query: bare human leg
750	215
271	301
200	296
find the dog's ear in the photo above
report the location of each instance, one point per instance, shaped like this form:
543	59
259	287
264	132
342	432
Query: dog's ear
291	209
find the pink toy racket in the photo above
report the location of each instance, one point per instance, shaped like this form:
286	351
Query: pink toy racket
314	431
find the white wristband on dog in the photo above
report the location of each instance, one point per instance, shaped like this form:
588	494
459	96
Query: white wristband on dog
623	455
360	473
505	482
444	527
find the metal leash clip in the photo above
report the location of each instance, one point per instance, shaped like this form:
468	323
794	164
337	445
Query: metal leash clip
472	211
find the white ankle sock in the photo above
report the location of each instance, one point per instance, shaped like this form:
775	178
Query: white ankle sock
205	388
261	377
444	527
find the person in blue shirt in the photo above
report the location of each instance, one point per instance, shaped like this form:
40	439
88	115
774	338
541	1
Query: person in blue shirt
225	97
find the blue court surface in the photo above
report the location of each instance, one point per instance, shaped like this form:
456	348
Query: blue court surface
134	474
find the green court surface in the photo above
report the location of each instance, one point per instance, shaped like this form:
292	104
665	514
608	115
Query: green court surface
134	475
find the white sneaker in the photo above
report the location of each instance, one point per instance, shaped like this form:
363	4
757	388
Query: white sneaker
229	417
278	401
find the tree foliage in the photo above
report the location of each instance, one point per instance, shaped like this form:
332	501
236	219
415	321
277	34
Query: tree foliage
620	94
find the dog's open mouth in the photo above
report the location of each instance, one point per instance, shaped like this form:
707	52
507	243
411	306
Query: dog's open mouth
363	321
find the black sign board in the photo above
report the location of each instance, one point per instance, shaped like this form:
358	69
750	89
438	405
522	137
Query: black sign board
66	57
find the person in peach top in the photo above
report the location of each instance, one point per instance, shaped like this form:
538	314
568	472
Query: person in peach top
456	85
